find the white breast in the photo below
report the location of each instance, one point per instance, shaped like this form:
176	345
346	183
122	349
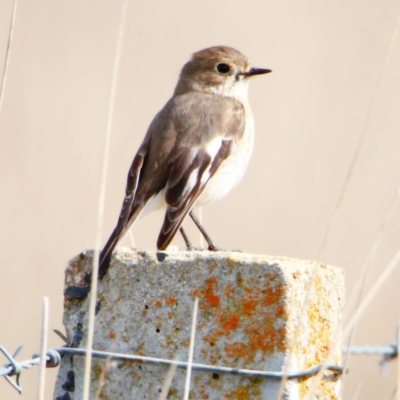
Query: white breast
231	170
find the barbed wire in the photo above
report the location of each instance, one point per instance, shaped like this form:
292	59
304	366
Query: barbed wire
387	353
13	367
54	355
203	367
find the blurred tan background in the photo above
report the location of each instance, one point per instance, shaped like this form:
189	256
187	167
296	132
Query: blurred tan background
310	113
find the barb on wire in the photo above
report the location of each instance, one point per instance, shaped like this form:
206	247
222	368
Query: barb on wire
388	353
13	367
53	359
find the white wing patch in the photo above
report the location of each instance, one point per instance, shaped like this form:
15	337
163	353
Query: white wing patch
212	149
191	182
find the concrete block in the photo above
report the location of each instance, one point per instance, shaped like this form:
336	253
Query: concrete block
249	310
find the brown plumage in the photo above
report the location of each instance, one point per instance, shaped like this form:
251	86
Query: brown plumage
196	148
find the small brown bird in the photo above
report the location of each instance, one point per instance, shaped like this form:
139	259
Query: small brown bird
196	148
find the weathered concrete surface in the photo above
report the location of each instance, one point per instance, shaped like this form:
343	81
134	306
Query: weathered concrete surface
248	312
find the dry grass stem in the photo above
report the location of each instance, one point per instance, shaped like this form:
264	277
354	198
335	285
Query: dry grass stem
5	69
168	381
43	347
191	348
100	213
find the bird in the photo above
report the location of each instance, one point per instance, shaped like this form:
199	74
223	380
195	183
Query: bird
196	149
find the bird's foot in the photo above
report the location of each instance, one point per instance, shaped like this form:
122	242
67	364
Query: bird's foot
209	248
195	248
213	247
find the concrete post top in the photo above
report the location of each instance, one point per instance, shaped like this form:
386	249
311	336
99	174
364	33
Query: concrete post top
226	259
250	308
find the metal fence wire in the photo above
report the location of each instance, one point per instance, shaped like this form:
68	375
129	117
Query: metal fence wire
54	355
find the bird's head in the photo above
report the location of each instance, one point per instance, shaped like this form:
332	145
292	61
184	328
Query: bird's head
219	70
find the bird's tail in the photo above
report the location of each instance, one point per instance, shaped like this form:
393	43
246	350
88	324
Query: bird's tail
117	235
106	253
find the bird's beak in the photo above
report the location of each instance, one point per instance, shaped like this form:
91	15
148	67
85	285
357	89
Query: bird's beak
255	71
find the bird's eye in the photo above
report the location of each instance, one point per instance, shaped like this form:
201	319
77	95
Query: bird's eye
223	68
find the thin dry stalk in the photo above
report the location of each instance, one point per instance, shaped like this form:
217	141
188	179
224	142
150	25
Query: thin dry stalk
359	286
358	290
102	377
336	337
5	70
191	348
168	381
364	132
363	306
43	347
201	221
349	175
398	364
100	212
357	391
131	238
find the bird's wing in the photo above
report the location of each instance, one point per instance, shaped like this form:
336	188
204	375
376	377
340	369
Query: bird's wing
208	128
127	206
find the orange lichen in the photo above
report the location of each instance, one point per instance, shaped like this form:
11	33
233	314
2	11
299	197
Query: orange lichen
210	339
229	290
171	301
204	352
197	293
140	349
244	393
212	300
249	305
231	322
136	375
209	295
272	294
261	334
280	312
263	337
158	303
112	335
319	339
236	349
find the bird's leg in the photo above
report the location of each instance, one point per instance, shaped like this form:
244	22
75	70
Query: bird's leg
185	238
211	245
188	243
